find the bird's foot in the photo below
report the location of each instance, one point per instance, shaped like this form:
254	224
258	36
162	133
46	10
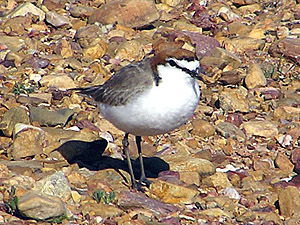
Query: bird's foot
144	181
141	185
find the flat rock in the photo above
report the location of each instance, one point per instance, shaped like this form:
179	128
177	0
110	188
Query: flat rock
255	77
218	179
288	47
234	100
283	162
224	57
202	128
172	193
289	202
26	8
55	185
137	200
50	118
129	13
56	20
241	44
11	118
216	212
260	128
103	210
89	35
62	81
188	163
40	206
227	129
13	43
27	142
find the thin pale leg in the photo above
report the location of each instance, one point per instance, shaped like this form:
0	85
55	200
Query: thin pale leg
143	179
126	151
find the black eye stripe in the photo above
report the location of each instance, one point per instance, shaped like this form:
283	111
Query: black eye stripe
192	73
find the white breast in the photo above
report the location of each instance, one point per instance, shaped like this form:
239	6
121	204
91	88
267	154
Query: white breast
159	109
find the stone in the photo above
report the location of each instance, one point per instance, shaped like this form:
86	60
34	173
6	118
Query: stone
81	11
96	51
50	118
202	128
28	142
234	100
11	118
241	44
189	164
204	44
103	210
230	130
230	59
216	212
260	128
89	35
130	51
137	200
283	163
218	179
289	202
26	8
55	184
232	193
255	77
12	43
171	3
238	28
190	178
40	206
60	81
287	113
172	193
54	4
129	13
56	20
287	47
227	14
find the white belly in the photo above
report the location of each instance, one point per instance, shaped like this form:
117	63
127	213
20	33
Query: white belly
159	109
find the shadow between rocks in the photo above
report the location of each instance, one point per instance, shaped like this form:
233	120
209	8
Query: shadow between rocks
89	155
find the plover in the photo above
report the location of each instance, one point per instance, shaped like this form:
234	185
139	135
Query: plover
149	97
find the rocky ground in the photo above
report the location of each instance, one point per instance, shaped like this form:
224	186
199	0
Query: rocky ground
235	162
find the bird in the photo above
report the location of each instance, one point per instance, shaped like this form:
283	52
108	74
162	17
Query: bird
149	97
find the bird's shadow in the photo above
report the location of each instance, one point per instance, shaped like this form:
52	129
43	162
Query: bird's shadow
90	155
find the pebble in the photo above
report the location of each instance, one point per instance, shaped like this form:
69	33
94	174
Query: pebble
202	128
288	200
255	77
172	193
260	128
11	118
40	207
27	142
133	13
232	100
26	8
56	20
55	185
218	179
50	118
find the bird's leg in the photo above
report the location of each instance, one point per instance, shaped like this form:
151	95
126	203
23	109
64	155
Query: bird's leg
126	151
143	180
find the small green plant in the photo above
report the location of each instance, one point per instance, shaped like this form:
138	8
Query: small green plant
12	203
22	89
106	197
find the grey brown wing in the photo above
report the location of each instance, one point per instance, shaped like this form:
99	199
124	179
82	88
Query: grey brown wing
124	84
